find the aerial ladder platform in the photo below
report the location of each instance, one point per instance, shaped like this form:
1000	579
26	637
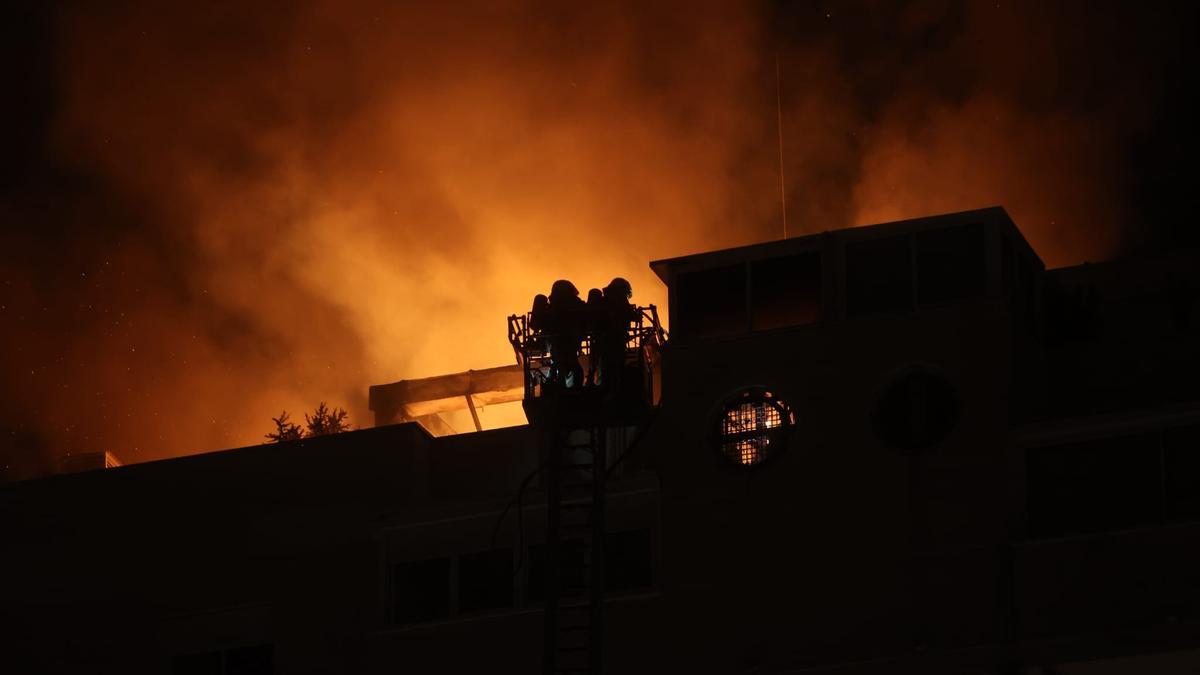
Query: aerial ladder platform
573	419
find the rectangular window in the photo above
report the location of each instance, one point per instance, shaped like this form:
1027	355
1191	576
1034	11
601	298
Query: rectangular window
1181	449
485	580
1098	485
878	276
950	264
420	590
251	660
785	291
628	561
571	577
711	303
1029	285
204	663
1178	662
1008	274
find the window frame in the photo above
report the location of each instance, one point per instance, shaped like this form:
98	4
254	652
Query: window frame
780	436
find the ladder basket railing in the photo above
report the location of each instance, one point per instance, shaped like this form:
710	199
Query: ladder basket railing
644	340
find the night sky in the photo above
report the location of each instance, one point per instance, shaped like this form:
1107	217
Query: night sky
214	213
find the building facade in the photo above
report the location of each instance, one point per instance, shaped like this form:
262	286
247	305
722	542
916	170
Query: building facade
899	448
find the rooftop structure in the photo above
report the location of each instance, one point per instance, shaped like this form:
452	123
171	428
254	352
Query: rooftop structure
424	400
88	461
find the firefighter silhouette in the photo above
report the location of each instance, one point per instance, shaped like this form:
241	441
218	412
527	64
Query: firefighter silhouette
537	321
564	332
594	327
611	334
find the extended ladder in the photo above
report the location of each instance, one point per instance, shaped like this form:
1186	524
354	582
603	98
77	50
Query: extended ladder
575	471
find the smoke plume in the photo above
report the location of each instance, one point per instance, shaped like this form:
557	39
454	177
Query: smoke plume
236	208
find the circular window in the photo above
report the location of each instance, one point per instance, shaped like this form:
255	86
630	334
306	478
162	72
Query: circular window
753	426
916	410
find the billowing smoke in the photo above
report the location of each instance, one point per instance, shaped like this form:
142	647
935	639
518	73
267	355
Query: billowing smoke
1057	111
237	209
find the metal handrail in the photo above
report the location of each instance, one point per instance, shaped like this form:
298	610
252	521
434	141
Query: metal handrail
644	338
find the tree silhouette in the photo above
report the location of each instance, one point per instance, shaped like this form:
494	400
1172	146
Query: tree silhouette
285	430
325	421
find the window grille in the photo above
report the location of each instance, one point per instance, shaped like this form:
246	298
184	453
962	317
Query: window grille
753	427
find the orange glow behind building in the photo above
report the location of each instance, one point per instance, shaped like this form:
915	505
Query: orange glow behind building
357	197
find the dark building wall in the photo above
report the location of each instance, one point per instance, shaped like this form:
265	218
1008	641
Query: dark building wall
847	551
831	547
271	544
1123	334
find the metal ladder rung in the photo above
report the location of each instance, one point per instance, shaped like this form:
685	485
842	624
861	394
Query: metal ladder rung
579	510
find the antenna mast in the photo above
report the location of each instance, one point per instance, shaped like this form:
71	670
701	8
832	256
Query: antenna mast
779	120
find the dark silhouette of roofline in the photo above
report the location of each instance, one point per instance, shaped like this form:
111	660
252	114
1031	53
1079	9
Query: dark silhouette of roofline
663	266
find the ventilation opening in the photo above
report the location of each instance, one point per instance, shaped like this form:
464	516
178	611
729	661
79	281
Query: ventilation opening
753	427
